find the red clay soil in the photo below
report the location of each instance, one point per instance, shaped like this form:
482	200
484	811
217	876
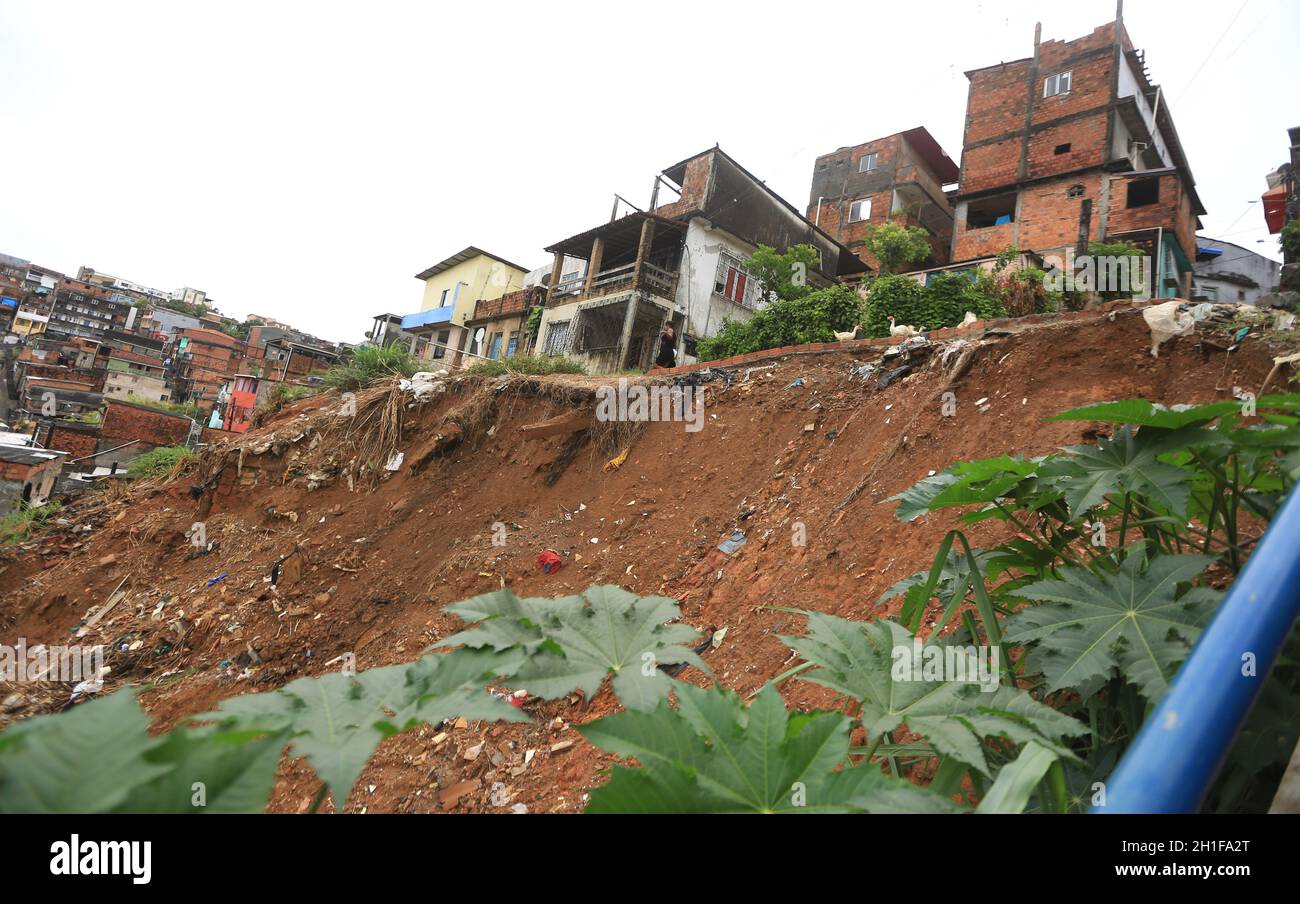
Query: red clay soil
380	564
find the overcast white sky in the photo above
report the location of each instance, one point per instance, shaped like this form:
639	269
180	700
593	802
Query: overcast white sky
305	160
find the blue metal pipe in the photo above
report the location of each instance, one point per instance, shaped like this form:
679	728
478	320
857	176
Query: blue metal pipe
1183	743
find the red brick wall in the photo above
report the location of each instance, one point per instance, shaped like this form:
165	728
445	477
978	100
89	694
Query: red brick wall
76	442
895	167
92	381
695	188
986	242
1173	210
1086	137
126	421
990	165
1049	217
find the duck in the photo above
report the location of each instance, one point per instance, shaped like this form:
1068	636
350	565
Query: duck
847	337
967	320
903	331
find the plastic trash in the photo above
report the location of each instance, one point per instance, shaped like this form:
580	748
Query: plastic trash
549	562
1167	322
798	382
734	542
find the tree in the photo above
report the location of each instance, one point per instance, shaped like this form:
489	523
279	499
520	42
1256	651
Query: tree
784	275
894	245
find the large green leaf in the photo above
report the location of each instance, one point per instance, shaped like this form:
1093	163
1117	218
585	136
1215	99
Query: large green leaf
337	720
1141	413
89	759
210	772
1119	465
1016	781
712	755
858	660
1135	621
576	642
915	501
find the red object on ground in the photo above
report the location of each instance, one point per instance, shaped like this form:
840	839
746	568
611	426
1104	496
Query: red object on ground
549	562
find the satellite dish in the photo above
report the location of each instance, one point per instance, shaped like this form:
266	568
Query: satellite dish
478	336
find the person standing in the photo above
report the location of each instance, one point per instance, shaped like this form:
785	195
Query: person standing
667	347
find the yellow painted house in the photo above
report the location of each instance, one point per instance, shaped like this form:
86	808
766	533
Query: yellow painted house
451	289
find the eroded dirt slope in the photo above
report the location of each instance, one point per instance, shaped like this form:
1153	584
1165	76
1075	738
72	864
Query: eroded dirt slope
376	566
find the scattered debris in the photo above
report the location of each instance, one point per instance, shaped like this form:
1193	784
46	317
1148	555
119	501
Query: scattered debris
734	542
1166	322
549	562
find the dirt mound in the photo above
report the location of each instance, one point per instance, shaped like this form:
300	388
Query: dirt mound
366	551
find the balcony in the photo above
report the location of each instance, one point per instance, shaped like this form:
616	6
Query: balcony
510	304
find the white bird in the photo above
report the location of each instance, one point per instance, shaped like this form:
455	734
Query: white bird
846	337
968	320
903	331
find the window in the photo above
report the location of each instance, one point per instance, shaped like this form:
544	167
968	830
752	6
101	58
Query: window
442	301
1063	149
868	162
1076	191
1143	192
733	287
1057	84
860	210
986	212
557	337
444	337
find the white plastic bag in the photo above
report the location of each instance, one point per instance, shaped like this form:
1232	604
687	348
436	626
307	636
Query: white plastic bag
1166	322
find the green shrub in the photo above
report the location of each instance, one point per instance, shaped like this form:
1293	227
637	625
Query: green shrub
1113	249
900	296
1289	239
815	317
952	294
894	245
157	462
368	364
533	365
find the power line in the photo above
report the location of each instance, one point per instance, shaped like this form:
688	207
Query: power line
1223	34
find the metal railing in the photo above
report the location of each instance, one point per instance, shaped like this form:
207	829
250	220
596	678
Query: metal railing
1182	744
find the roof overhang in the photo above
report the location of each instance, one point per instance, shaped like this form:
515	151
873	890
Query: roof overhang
620	236
460	257
935	157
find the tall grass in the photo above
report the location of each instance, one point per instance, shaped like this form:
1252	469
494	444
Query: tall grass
18	526
369	364
157	462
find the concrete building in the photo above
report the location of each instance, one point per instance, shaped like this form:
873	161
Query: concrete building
132	291
1076	144
682	262
27	476
899	178
498	325
452	287
86	309
164	322
1228	272
203	361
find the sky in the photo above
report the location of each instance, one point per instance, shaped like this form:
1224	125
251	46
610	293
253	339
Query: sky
304	161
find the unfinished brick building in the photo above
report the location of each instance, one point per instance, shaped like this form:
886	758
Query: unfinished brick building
900	177
1071	145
